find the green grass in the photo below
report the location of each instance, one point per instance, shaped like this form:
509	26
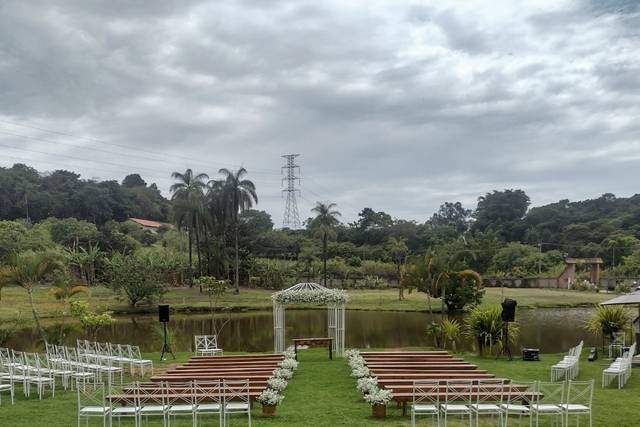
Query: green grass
14	300
321	393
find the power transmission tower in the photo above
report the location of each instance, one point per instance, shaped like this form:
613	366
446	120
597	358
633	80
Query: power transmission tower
291	217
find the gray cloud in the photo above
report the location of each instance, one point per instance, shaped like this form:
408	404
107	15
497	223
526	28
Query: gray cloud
395	105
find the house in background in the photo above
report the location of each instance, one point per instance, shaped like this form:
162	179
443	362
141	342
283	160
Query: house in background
147	224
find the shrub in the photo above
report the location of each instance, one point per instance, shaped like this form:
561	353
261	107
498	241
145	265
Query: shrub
90	321
622	288
485	325
136	277
608	319
277	384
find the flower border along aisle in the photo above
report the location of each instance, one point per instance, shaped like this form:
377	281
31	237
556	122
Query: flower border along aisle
272	396
311	293
375	396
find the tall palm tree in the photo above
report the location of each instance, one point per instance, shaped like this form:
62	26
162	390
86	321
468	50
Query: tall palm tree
398	250
30	269
189	192
324	225
240	194
218	218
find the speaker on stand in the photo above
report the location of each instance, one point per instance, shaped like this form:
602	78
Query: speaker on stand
164	317
508	315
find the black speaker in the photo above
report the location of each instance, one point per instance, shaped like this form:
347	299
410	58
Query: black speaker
509	310
163	313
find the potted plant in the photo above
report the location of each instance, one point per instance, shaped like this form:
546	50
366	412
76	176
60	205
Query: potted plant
269	399
378	400
366	384
277	384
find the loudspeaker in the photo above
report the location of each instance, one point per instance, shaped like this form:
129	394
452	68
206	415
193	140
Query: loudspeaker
163	313
509	310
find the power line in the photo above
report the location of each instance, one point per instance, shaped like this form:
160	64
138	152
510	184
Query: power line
142	150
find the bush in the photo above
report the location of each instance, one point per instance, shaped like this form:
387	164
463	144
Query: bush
622	288
136	277
608	319
484	324
585	286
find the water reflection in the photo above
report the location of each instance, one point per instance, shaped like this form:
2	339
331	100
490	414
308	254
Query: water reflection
551	330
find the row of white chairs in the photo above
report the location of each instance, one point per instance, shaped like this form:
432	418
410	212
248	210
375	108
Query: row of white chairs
82	366
26	369
121	354
168	401
619	369
569	367
500	399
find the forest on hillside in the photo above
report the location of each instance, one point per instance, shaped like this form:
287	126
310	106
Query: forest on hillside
213	228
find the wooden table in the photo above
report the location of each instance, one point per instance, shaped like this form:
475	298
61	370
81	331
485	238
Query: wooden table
313	342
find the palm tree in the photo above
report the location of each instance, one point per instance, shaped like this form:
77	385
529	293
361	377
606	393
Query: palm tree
30	269
398	250
324	224
240	194
189	191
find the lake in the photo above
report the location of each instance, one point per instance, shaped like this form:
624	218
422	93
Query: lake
551	330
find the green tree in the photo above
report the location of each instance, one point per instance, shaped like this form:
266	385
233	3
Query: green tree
324	225
452	215
240	195
30	269
398	250
188	192
501	210
136	277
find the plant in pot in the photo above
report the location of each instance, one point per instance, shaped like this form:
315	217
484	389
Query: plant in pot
378	400
270	399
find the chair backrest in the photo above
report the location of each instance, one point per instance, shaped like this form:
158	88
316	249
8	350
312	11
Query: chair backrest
178	393
490	390
150	395
552	393
459	391
90	394
580	393
103	349
207	391
426	391
123	396
236	390
134	352
5	356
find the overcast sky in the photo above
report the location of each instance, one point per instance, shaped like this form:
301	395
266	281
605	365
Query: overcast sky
394	105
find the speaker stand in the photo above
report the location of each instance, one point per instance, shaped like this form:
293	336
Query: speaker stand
166	348
505	351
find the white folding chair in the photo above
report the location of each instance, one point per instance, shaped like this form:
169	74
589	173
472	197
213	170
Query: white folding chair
136	360
579	400
207	345
91	403
550	395
426	400
38	376
207	399
6	383
519	398
236	399
489	399
179	400
123	403
152	401
458	400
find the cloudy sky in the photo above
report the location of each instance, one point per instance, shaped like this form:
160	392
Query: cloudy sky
396	105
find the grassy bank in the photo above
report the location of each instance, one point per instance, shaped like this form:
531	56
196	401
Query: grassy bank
322	394
14	300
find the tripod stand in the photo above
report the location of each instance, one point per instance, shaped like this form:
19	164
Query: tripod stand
505	351
166	348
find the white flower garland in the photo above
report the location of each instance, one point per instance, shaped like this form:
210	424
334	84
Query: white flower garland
277	384
282	373
311	296
367	384
290	364
378	396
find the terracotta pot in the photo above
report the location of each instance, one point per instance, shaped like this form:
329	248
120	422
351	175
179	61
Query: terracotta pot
268	410
379	411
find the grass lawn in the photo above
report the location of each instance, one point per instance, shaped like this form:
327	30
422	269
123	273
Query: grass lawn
321	393
14	300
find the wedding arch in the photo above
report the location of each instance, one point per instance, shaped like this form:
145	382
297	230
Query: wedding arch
311	293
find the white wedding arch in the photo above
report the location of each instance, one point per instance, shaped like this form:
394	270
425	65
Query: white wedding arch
311	293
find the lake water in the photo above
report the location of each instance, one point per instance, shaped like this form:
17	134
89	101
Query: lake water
551	330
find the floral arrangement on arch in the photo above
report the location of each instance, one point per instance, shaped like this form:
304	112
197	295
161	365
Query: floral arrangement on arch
322	296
